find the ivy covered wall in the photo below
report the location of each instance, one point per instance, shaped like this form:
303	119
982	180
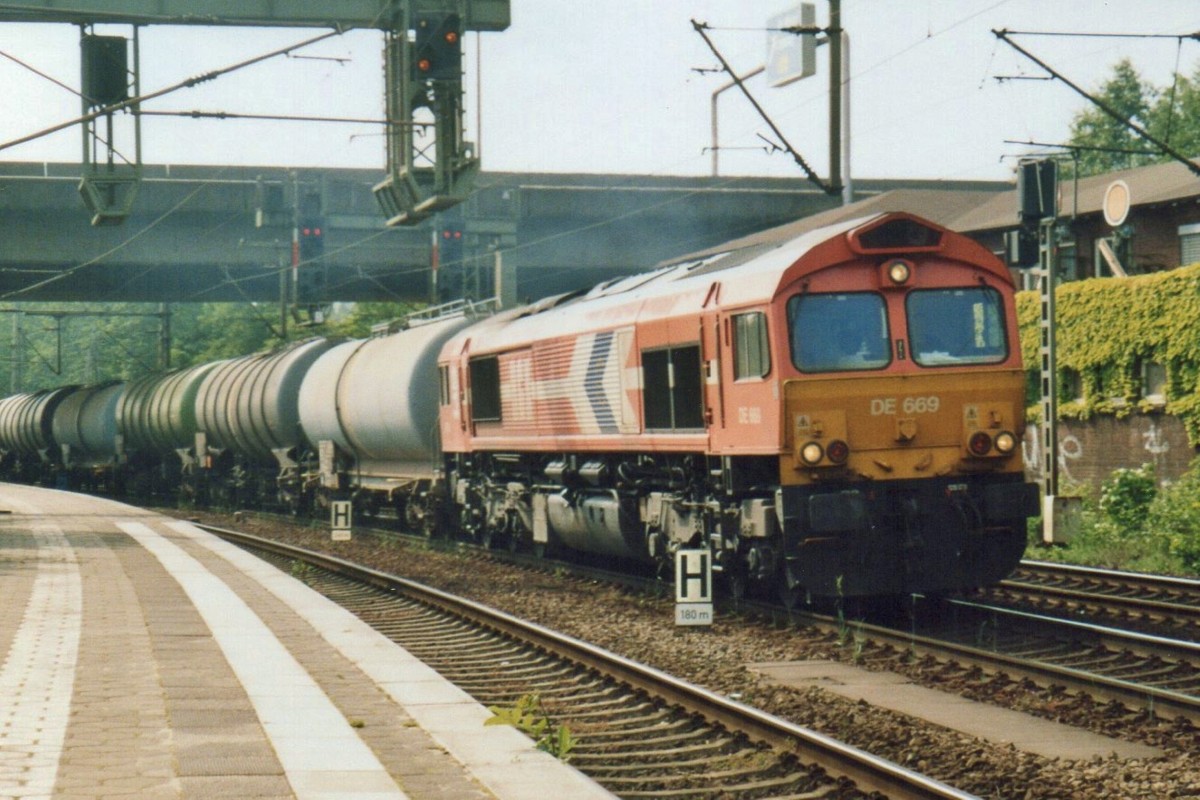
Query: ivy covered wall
1109	331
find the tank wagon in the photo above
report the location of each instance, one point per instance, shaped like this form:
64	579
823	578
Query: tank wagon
84	427
837	413
369	408
27	447
247	438
156	423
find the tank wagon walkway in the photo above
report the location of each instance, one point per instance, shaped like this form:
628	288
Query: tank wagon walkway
145	658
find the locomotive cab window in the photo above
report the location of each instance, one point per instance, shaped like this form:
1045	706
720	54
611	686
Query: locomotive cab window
956	326
838	332
672	395
485	389
751	355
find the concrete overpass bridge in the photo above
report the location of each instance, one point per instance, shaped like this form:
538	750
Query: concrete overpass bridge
224	233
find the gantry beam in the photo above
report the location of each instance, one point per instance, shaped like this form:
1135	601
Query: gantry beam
480	15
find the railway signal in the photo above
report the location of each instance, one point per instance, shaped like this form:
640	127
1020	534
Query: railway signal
437	51
310	258
450	246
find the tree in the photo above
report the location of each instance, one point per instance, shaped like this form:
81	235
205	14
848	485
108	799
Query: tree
1127	94
357	324
1176	115
1171	114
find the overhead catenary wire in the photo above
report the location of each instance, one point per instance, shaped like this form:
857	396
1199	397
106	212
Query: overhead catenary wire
187	83
1004	36
811	174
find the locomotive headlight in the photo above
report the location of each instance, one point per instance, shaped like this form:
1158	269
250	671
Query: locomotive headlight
1005	442
838	451
899	272
979	444
811	454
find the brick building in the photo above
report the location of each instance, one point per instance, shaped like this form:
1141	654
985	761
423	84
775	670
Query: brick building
1162	230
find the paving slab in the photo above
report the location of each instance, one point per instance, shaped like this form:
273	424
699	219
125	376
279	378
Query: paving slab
142	657
997	725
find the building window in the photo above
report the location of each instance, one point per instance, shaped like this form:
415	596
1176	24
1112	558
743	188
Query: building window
1071	388
751	355
1189	244
1154	382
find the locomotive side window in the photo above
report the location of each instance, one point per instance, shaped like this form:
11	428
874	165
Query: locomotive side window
956	326
751	355
444	382
485	389
672	396
838	332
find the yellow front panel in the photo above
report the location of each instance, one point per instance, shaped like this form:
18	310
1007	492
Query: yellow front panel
901	426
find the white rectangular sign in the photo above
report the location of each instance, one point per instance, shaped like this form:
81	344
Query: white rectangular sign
693	613
693	587
340	518
693	576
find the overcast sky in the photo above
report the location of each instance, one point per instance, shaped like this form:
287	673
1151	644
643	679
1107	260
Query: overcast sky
575	86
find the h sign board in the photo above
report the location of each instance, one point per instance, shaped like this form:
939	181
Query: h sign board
340	520
693	587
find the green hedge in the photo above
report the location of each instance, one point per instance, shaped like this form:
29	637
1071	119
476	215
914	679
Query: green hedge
1107	329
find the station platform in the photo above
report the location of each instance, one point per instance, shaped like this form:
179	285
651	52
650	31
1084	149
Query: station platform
144	658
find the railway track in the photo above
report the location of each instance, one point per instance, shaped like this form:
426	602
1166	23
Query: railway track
639	732
1160	604
1140	671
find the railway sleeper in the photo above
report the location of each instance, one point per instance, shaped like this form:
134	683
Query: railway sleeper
647	726
685	763
705	780
671	740
616	712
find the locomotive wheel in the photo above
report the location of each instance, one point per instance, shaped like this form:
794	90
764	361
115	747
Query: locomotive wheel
489	538
736	583
790	594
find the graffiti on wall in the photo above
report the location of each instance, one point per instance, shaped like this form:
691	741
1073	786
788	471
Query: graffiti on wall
1090	450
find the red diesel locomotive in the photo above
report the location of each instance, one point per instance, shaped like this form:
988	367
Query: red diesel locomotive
836	413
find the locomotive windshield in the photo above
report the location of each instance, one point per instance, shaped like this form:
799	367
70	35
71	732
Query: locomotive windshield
956	326
838	332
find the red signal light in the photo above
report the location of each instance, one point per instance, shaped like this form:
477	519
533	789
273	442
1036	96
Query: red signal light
424	65
458	234
306	232
451	37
